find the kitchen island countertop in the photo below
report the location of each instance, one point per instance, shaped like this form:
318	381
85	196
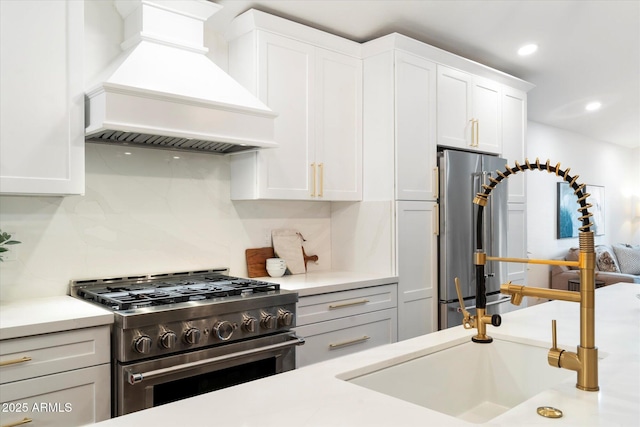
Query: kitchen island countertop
313	396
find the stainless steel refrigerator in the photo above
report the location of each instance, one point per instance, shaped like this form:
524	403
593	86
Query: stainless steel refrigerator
461	177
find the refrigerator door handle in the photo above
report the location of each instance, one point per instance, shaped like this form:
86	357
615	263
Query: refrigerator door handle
500	301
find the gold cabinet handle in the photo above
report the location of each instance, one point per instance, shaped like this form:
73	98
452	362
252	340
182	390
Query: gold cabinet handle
436	182
436	227
477	133
474	132
25	420
348	304
313	180
350	342
321	170
15	361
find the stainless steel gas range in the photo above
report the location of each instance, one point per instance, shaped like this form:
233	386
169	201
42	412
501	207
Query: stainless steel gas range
178	335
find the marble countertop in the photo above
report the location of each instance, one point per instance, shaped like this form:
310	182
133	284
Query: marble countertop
321	282
314	396
52	314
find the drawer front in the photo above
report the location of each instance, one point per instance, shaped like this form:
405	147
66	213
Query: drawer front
335	305
39	355
334	338
68	399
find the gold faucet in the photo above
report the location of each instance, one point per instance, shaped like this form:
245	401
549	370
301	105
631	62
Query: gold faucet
585	360
479	321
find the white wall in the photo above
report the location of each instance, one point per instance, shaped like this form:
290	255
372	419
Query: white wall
145	213
597	163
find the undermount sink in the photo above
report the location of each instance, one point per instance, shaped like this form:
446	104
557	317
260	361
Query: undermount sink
473	382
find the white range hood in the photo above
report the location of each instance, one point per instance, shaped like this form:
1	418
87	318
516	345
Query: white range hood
163	91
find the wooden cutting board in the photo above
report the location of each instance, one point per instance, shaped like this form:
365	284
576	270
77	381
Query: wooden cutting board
257	261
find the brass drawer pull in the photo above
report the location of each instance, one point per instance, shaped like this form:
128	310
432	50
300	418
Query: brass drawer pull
348	304
313	180
14	362
321	170
350	342
25	420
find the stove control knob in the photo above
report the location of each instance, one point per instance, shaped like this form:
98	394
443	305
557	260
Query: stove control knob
192	336
142	344
223	330
269	321
168	339
285	317
249	324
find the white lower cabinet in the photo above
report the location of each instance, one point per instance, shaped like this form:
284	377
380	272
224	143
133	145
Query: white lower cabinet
417	226
71	398
340	323
58	379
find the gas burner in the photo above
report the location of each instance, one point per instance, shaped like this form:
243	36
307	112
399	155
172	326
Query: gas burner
162	290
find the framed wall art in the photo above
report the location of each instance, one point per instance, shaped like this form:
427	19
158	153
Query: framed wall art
568	214
596	199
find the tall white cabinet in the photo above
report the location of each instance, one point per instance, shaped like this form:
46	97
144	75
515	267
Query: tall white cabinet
42	102
313	81
400	141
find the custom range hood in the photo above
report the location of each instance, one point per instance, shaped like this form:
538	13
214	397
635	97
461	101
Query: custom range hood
163	91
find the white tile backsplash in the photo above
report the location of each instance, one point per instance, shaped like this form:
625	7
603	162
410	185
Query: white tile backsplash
146	212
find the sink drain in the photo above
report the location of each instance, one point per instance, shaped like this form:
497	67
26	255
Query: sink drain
549	412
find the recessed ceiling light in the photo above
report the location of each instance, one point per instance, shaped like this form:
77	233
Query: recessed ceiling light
176	157
127	153
527	49
593	106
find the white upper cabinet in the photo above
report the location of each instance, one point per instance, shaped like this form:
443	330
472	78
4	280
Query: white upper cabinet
469	111
415	127
42	103
316	90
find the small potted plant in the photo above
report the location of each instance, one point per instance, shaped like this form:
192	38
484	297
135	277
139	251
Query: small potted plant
5	240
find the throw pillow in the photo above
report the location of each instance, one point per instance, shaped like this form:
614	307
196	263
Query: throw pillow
572	255
628	258
605	261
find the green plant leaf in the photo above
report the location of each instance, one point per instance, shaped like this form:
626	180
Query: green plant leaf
12	242
3	250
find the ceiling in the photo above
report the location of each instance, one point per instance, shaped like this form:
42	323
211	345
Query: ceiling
588	50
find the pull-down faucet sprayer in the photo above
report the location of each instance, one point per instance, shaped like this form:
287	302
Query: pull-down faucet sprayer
585	360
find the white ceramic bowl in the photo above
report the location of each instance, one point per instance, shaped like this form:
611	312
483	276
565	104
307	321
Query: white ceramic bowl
276	262
276	271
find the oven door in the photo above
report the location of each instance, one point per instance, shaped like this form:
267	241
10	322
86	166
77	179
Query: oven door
150	383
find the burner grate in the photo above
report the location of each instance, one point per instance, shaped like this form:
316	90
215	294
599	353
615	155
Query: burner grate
165	290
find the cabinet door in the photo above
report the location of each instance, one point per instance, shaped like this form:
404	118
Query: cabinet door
417	268
514	128
415	82
486	112
286	75
454	108
42	102
338	126
67	399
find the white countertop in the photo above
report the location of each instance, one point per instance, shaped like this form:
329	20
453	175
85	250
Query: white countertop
321	282
45	315
313	396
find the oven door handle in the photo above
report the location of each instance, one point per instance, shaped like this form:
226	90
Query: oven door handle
134	378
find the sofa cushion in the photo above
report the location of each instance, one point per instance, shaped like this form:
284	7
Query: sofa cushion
628	258
606	260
